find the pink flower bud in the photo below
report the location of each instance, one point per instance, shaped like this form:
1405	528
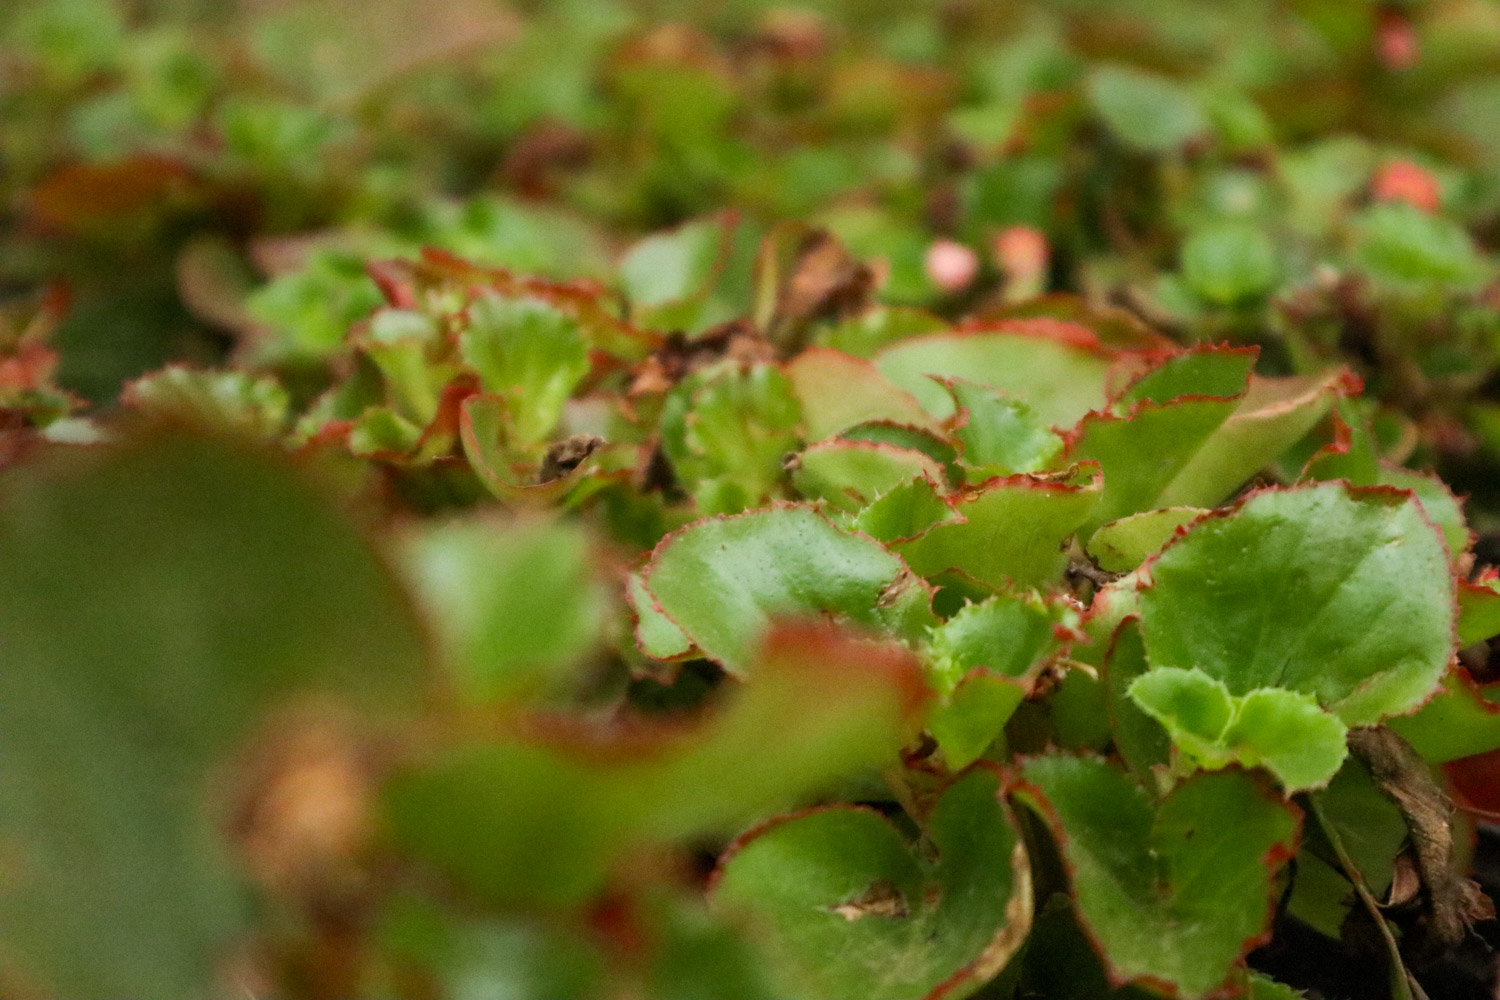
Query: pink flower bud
951	266
1022	254
1403	180
1396	42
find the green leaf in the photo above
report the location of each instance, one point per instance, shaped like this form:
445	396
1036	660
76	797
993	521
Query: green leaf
973	714
1478	611
1230	264
990	547
1461	720
257	406
723	580
1407	248
543	820
1143	453
852	474
838	391
155	601
1202	371
1339	592
1175	893
530	354
983	661
1139	739
656	634
905	512
1123	544
1150	112
672	266
1008	633
1283	731
726	432
852	911
514	604
1272	416
1000	436
1059	369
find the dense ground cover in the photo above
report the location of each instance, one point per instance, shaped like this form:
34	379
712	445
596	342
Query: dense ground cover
662	500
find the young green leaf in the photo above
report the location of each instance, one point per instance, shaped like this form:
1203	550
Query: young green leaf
1284	731
905	512
1000	436
849	475
530	354
513	604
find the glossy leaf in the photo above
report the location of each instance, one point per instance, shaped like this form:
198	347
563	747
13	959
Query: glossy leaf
1337	592
905	512
1174	893
723	580
852	911
991	547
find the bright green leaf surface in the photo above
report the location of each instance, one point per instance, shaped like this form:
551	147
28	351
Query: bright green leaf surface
1142	454
655	633
723	580
1177	892
529	353
974	714
1013	532
1283	731
155	601
1204	371
1054	368
851	474
513	603
853	914
1273	415
905	512
1001	436
1008	633
1459	721
1121	545
1478	612
1338	593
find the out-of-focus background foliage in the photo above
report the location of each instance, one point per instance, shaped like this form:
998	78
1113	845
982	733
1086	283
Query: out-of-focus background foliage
224	183
196	179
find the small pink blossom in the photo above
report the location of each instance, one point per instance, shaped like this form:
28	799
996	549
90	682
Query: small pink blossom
951	266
